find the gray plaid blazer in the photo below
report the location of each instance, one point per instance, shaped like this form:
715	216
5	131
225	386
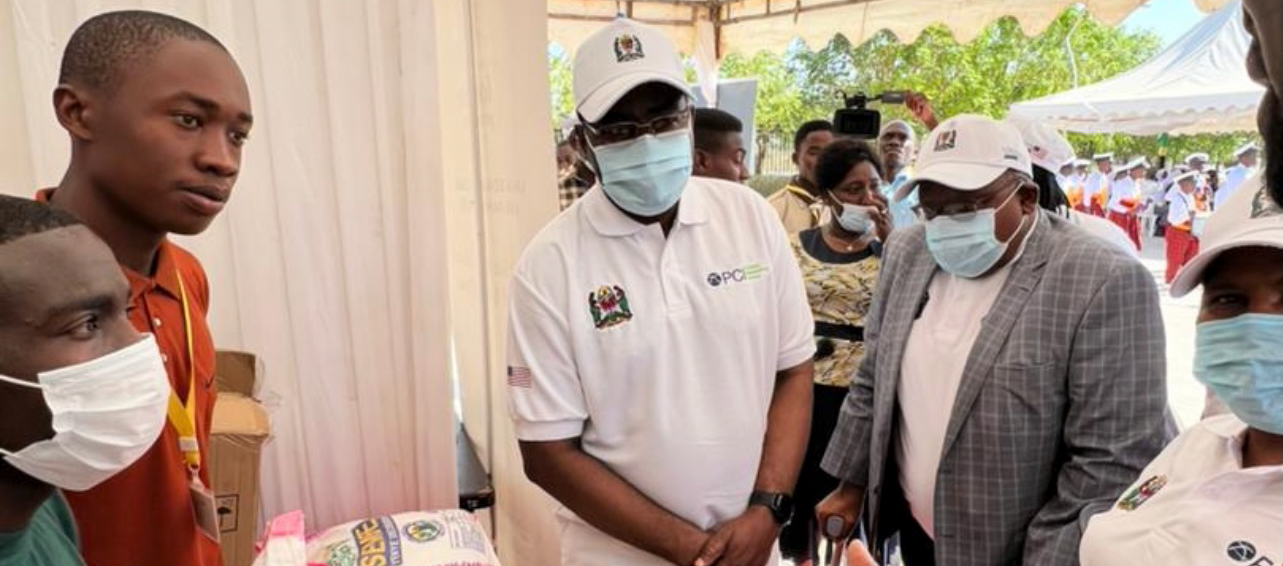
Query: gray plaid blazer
1061	405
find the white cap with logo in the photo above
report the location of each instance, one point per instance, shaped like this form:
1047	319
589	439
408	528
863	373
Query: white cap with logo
967	152
620	57
1249	218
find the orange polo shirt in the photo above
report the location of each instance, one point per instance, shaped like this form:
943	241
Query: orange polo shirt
144	515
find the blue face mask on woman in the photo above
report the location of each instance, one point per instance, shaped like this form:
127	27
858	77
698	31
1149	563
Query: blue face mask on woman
1241	360
647	175
965	245
854	218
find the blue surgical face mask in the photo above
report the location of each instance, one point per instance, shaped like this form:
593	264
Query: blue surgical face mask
646	176
965	245
854	218
1241	360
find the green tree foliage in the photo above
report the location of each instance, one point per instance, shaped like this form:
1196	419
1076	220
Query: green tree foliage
985	76
562	82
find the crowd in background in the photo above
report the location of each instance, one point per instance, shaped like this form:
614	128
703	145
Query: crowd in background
989	363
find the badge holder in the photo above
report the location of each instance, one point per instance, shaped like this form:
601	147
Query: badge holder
204	505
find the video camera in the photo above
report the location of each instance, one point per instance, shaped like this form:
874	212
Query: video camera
859	122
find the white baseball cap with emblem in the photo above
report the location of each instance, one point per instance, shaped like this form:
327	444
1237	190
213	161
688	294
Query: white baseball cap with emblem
620	57
967	152
1249	218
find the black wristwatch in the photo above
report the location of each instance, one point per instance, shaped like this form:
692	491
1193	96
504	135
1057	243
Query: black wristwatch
780	505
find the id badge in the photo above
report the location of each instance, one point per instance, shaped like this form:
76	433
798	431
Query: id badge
206	509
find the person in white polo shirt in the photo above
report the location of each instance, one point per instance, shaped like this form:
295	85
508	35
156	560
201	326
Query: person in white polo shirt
1215	495
1013	381
1247	156
661	342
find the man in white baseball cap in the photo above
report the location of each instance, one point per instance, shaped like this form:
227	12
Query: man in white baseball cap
1247	156
660	339
1217	490
1185	206
1014	381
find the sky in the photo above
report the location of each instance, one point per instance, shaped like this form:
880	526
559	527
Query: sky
1168	18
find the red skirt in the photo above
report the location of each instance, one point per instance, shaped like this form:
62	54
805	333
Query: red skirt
1096	209
1181	247
1129	223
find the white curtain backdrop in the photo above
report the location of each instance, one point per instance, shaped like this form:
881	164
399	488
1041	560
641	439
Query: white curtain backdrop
400	160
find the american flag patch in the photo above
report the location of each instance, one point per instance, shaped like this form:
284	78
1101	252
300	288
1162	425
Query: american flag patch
520	377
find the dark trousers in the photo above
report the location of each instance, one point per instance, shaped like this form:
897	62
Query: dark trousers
813	483
916	546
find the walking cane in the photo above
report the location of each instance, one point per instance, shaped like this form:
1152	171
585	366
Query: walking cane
834	544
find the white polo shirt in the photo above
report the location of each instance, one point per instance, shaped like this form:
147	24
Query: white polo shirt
661	353
1194	505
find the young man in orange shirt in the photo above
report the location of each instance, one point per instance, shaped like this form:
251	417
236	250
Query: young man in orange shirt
157	111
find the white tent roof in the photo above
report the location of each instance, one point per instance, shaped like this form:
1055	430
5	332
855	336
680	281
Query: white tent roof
1198	84
749	26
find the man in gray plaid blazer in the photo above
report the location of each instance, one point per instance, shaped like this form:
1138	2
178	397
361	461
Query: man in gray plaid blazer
1015	380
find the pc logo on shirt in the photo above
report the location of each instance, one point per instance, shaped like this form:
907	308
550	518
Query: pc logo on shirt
1241	551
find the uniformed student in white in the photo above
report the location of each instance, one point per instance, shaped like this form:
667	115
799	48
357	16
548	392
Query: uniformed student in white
1097	187
660	337
1215	495
1126	197
1247	156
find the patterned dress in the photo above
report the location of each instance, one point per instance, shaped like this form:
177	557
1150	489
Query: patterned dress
840	288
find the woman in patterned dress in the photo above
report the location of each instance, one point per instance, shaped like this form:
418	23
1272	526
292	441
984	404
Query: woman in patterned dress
840	260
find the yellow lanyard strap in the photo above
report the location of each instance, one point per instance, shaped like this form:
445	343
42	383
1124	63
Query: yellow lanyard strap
183	415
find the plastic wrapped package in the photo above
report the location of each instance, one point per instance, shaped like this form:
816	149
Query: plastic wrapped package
440	538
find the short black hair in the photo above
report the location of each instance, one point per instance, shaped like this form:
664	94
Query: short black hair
808	129
107	43
711	127
839	158
20	217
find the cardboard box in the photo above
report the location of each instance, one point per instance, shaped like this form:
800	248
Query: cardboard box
241	427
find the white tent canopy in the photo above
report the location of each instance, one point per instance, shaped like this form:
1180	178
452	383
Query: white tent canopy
1197	85
749	26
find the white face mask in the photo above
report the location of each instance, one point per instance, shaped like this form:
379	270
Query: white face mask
106	414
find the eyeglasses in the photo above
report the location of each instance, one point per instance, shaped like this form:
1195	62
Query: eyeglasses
602	134
964	209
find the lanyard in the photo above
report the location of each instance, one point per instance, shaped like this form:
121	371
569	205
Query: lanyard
183	414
